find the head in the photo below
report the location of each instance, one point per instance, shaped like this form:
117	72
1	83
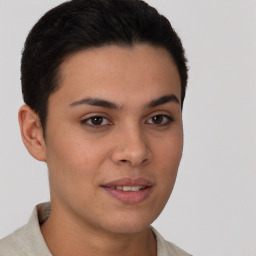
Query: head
104	83
85	24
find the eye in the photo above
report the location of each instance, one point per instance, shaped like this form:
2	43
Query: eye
96	121
160	120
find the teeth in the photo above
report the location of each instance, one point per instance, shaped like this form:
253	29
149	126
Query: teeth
137	188
126	188
130	188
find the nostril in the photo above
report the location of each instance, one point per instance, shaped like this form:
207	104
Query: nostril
131	163
145	160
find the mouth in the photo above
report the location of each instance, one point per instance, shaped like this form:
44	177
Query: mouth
129	191
129	188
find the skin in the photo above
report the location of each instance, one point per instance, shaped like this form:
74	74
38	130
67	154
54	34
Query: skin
134	140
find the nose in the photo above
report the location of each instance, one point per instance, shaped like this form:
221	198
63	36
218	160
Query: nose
131	148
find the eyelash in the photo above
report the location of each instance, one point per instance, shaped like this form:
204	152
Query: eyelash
167	120
87	120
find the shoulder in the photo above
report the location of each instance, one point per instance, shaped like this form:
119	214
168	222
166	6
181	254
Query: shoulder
12	245
28	240
175	250
166	248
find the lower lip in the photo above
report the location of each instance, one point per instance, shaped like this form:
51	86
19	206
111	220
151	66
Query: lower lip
129	197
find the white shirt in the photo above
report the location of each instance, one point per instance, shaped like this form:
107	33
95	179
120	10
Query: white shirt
28	240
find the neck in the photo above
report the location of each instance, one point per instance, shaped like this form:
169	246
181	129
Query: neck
65	236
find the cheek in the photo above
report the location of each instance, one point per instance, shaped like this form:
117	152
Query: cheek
169	150
73	171
168	155
72	148
73	164
167	158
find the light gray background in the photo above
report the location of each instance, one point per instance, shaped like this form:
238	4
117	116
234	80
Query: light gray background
212	210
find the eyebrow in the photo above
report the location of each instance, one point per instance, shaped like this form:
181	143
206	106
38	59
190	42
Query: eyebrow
96	102
163	100
110	105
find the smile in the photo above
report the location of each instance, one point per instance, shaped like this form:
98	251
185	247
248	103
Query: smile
129	188
129	191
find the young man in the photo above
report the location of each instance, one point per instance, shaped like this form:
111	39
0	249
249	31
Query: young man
104	83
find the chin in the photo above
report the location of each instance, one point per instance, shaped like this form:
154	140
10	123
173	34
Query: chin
128	228
130	223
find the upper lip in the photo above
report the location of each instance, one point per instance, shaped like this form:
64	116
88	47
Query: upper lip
129	182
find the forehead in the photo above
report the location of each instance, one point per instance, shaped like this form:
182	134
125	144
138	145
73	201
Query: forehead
120	72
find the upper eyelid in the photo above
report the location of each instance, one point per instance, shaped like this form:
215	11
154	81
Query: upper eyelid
169	117
161	113
91	115
88	118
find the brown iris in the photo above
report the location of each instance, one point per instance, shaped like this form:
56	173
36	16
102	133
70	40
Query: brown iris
97	120
158	119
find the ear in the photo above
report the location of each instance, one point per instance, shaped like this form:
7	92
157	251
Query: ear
32	133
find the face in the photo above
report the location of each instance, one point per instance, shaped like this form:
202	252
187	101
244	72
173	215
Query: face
114	137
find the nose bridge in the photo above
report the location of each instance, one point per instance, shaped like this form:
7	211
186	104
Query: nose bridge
132	146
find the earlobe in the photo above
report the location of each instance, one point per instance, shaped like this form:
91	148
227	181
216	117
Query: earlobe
32	132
